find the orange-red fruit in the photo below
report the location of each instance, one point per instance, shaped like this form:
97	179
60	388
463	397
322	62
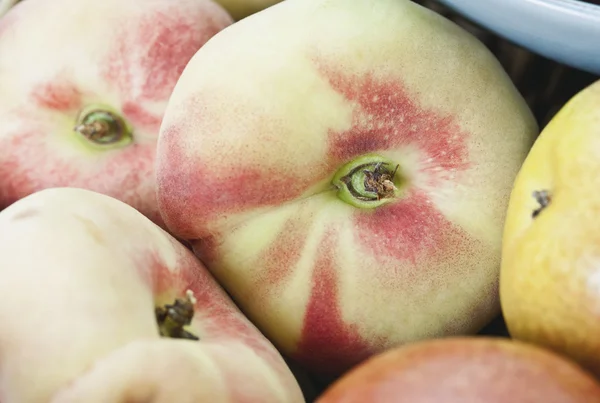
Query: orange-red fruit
465	370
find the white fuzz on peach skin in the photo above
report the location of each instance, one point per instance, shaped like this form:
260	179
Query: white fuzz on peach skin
81	275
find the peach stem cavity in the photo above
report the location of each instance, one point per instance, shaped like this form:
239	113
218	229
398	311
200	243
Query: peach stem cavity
172	318
101	126
368	181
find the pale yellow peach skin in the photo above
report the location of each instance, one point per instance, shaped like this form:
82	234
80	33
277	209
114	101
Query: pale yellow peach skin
83	88
343	168
81	276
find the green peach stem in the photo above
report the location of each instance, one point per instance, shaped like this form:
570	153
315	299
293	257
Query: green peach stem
172	318
102	127
367	182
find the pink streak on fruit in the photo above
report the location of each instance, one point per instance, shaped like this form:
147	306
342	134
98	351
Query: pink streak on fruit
410	230
138	116
176	189
218	316
170	40
388	117
211	190
282	256
57	94
327	343
125	174
165	63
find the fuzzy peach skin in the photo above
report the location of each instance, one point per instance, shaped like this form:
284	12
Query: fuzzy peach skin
240	9
81	275
465	370
269	113
61	59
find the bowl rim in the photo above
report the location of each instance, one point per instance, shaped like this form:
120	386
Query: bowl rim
566	31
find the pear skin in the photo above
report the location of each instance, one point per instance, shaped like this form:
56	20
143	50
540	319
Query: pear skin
550	273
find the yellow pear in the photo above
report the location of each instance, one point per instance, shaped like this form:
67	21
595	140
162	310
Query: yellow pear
550	274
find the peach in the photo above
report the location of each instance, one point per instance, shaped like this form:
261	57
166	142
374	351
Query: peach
465	370
89	286
343	169
84	85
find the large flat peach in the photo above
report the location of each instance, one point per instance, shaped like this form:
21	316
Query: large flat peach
343	168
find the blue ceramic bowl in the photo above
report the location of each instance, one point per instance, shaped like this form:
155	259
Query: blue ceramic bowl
566	31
